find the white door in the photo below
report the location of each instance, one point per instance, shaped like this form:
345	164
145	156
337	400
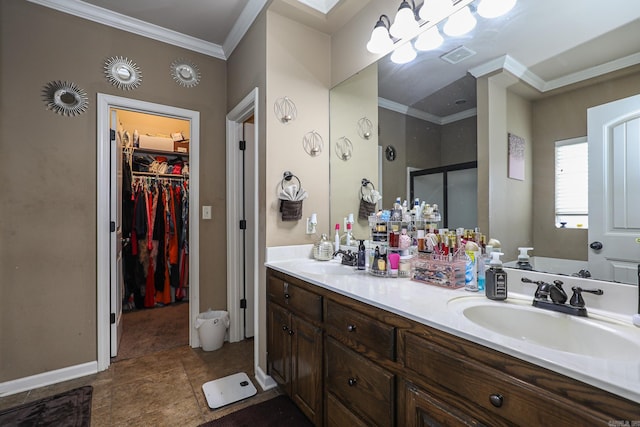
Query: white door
614	190
116	273
250	233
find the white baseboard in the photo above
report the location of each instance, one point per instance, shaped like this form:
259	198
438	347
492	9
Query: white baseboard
265	381
47	378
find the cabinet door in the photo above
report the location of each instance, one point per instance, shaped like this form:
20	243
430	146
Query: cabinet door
279	345
306	368
420	409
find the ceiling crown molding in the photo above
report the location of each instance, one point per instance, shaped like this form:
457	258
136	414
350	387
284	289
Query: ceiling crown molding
242	25
135	26
422	115
509	64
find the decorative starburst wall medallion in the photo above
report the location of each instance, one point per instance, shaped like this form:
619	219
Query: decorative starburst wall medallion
122	73
65	98
185	73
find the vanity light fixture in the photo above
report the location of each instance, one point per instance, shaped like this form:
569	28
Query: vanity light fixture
460	23
495	8
423	21
405	23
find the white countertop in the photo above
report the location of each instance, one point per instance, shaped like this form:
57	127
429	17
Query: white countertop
441	308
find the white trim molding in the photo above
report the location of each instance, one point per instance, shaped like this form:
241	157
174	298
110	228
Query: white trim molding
156	32
418	114
47	378
265	381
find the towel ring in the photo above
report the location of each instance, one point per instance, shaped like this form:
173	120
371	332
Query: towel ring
287	176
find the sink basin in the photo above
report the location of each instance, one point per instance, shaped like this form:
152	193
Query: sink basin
582	336
325	268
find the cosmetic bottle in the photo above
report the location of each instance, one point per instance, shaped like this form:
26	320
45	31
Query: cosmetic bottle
376	259
337	239
496	279
361	256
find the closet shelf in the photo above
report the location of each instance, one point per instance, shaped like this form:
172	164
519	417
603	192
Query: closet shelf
160	152
161	175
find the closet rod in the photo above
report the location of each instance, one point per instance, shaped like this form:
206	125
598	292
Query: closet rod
159	175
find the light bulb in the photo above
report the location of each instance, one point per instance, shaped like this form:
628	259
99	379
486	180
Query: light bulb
495	8
403	54
460	23
380	42
405	24
435	10
429	40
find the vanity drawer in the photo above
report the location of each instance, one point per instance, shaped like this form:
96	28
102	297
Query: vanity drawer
360	330
295	298
497	394
359	384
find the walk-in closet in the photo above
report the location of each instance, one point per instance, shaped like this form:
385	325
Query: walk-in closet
155	238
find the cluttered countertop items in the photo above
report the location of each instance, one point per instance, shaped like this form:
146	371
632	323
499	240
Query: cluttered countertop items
600	349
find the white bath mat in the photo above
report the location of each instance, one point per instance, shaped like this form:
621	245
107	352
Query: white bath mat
223	391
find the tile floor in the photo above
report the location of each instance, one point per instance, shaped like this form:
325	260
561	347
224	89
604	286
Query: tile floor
159	389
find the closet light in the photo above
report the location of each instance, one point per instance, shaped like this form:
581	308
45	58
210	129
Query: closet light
405	24
495	8
403	54
460	23
435	10
429	40
380	41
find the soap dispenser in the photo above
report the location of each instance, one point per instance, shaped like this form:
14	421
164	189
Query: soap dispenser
496	278
362	256
523	259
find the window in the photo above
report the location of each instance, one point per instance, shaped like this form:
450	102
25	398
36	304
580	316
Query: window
572	183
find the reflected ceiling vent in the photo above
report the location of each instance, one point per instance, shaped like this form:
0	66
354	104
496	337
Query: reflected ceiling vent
458	54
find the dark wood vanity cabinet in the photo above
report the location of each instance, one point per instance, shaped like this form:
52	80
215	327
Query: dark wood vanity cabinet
383	369
294	345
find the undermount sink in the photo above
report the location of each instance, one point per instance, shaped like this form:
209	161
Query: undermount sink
325	267
582	336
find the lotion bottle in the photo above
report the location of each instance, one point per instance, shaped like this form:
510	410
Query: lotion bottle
337	238
496	278
523	259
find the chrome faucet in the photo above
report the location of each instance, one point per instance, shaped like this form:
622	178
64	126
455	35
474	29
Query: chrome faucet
558	297
348	258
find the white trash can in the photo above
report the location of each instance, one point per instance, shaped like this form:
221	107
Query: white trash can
212	326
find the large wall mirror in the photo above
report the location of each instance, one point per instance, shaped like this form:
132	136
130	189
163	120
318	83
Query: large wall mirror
533	73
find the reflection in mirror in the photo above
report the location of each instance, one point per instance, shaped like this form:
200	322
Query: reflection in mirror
350	101
437	114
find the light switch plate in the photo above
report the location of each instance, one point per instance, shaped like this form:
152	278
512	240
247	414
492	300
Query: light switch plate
206	212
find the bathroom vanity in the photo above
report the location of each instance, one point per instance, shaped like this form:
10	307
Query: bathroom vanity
358	350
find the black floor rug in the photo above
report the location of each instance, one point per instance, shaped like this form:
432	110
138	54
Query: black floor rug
276	412
69	409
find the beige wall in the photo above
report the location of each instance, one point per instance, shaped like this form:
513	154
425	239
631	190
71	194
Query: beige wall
459	141
498	195
48	165
298	59
555	118
353	99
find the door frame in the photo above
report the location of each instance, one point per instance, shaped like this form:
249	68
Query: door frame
103	202
235	119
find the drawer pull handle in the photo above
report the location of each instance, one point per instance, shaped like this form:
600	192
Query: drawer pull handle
352	382
351	328
290	332
287	296
284	327
496	399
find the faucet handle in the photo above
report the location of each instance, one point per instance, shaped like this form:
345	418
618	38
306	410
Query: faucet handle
576	298
542	291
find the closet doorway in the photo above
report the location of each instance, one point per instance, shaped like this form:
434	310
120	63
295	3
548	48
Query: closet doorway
147	198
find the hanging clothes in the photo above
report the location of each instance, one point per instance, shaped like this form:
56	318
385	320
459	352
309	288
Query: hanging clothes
156	260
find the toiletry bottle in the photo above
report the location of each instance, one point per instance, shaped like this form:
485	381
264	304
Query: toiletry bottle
376	259
361	256
348	241
496	279
523	259
481	273
337	238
